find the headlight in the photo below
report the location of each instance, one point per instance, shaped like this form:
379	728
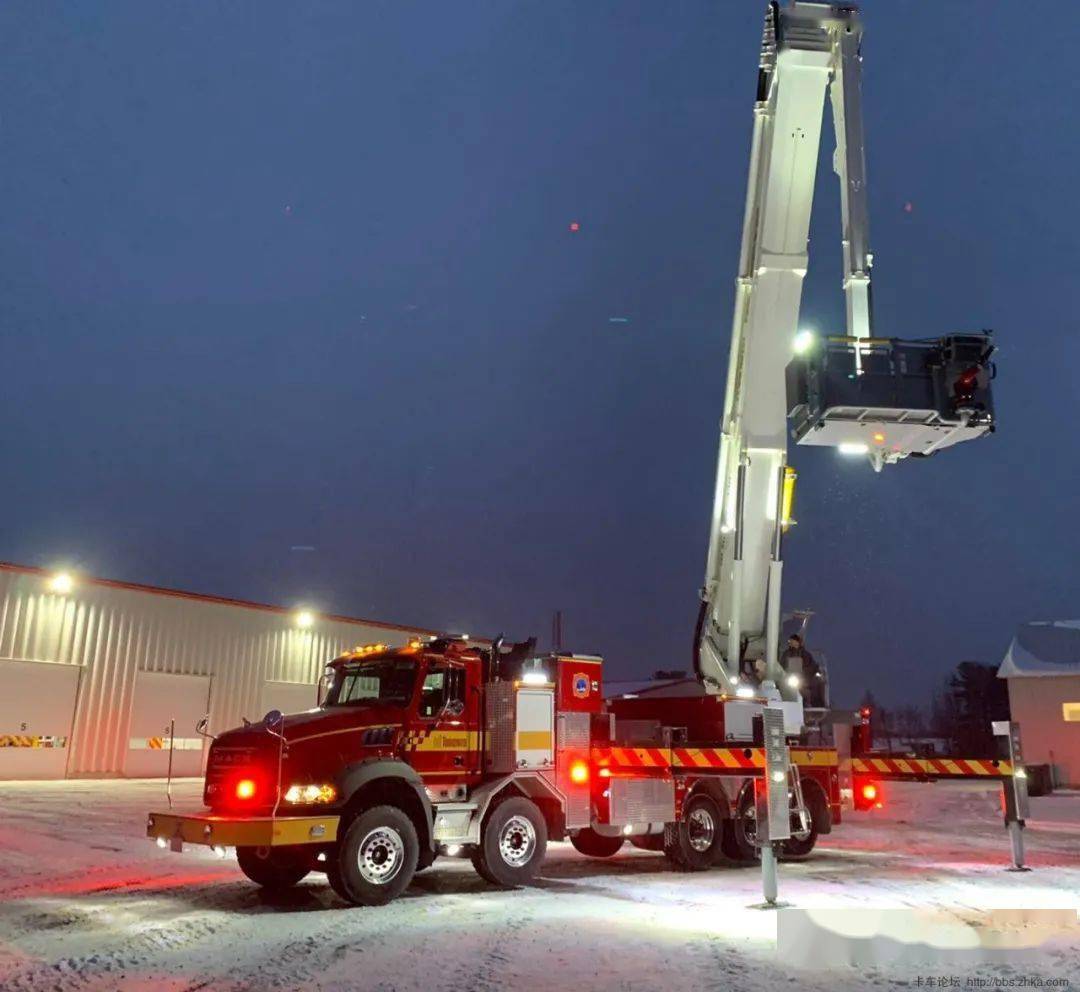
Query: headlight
794	681
310	794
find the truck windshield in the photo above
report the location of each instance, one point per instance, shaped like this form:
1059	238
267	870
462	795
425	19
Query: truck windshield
375	683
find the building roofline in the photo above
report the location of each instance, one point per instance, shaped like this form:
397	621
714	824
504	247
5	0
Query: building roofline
6	566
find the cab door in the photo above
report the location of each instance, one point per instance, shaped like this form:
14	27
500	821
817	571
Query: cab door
444	744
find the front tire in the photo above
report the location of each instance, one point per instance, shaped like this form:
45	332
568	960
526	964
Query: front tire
275	869
594	845
513	843
376	859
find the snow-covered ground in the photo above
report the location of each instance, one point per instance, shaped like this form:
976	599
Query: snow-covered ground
86	902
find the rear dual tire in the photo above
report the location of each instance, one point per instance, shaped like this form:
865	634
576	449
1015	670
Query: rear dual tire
741	831
694	843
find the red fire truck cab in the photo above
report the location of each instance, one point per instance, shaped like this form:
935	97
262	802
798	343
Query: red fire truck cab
446	748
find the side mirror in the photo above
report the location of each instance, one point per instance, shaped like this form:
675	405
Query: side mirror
454	708
323	689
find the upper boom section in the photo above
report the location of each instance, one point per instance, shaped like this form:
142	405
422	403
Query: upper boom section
886	399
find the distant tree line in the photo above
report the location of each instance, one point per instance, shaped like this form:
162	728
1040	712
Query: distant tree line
958	715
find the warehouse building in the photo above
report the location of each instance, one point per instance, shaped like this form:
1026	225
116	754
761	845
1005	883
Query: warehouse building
1042	667
93	673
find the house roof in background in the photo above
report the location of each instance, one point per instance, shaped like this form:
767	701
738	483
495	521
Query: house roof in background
1042	648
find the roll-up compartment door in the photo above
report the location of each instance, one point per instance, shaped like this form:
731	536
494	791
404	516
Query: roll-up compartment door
37	706
160	701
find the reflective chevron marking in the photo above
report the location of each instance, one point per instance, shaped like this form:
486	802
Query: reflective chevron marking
932	767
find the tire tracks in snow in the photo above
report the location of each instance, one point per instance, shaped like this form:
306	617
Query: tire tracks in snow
140	951
485	969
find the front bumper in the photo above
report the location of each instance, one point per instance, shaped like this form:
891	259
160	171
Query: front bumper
214	830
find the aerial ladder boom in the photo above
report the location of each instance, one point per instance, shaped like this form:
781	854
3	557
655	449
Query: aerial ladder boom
807	49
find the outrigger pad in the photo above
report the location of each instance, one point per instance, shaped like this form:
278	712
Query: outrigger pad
889	398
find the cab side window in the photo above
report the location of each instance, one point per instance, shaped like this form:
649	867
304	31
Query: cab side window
433	694
442	685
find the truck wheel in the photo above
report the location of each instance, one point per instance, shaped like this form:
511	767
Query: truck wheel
741	830
376	859
595	845
693	843
273	868
796	848
513	843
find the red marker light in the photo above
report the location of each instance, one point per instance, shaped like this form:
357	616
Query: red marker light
579	773
574	226
245	788
869	792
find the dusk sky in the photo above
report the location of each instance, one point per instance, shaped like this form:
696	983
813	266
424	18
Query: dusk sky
278	276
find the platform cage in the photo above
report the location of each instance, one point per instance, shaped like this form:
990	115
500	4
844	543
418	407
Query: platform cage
890	398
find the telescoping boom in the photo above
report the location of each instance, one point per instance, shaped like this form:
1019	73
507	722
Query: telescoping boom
882	398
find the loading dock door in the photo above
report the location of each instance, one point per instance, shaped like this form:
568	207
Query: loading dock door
37	706
158	699
289	697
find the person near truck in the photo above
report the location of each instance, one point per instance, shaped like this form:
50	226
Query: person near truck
798	662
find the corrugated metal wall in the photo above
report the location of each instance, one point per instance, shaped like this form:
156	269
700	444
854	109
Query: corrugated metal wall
114	631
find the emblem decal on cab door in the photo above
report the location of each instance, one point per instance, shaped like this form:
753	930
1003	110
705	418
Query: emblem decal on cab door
581	685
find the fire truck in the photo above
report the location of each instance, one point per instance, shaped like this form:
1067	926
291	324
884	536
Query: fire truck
445	747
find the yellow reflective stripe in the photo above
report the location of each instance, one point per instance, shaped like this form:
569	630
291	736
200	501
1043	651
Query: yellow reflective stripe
727	759
697	757
451	740
815	759
534	740
644	757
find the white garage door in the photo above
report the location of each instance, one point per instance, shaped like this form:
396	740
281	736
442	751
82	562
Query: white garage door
159	701
37	706
289	697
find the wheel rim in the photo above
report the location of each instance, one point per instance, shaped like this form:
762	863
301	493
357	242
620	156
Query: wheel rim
701	829
797	832
517	841
749	823
381	855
